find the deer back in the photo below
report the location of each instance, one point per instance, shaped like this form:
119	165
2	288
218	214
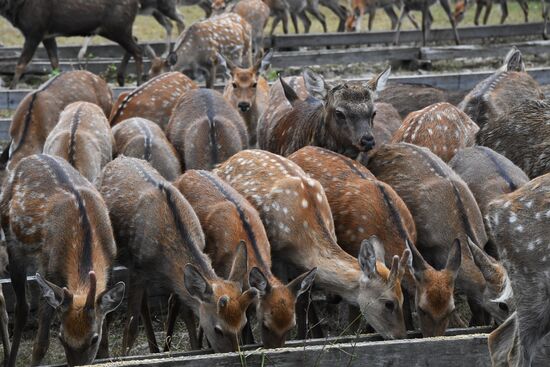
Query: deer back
256	13
386	122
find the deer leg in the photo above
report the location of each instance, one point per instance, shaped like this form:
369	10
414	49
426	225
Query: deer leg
447	9
294	22
319	16
399	21
121	72
51	49
413	21
130	45
487	12
167	25
19	283
177	17
190	324
525	7
42	339
425	26
274	24
147	322
504	11
545	14
478	13
4	325
135	295
173	312
285	22
391	14
29	48
307	23
84	48
372	13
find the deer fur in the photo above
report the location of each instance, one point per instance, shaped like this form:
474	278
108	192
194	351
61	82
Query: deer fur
386	122
462	5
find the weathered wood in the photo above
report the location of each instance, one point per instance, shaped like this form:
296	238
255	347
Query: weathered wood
481	51
43	67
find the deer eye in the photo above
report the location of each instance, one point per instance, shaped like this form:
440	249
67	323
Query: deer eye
390	306
218	331
234	85
503	306
339	114
373	115
94	340
254	85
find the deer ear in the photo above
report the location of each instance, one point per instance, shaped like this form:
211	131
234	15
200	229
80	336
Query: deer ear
315	84
454	258
240	264
504	344
367	259
417	264
196	284
302	283
378	247
378	82
172	58
263	64
484	262
53	294
513	60
110	299
290	94
258	280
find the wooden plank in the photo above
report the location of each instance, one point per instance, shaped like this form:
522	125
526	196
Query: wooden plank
43	67
481	51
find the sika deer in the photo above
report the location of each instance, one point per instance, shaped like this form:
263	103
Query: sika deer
3	312
83	138
298	221
441	127
338	117
444	209
462	5
42	21
519	225
500	93
38	112
256	13
161	239
154	100
205	129
248	92
219	206
385	123
141	138
48	206
361	7
363	207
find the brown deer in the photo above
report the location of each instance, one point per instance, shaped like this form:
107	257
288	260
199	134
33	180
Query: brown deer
521	135
153	100
443	209
197	48
500	93
47	205
141	138
298	220
337	117
441	127
219	206
162	241
385	123
519	226
462	5
248	92
362	7
39	111
4	262
83	138
205	129
362	207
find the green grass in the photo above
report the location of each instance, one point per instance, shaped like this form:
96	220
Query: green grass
147	29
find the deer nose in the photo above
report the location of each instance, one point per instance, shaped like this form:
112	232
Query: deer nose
244	106
367	142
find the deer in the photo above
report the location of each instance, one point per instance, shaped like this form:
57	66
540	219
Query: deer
362	7
385	123
38	113
48	205
545	18
337	117
248	92
462	5
162	241
4	320
441	127
444	210
528	123
154	100
501	92
205	129
218	205
197	48
83	138
42	21
424	6
518	223
299	225
140	138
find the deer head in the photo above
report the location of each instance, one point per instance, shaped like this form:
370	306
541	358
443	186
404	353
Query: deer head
218	7
158	64
513	61
82	314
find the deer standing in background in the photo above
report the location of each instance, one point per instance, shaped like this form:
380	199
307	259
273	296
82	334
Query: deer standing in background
162	244
462	5
299	225
219	206
361	7
83	138
47	205
143	139
205	129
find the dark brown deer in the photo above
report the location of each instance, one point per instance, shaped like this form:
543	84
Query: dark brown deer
83	138
337	117
4	261
386	122
444	209
519	226
462	5
153	100
227	218
42	21
162	241
298	220
441	127
205	129
141	138
48	205
361	7
39	111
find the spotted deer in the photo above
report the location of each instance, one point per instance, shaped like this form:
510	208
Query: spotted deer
39	111
219	206
443	209
248	92
441	127
153	100
362	7
500	93
48	206
363	207
196	49
519	225
162	244
279	12
337	117
298	220
143	139
83	138
462	5
205	129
